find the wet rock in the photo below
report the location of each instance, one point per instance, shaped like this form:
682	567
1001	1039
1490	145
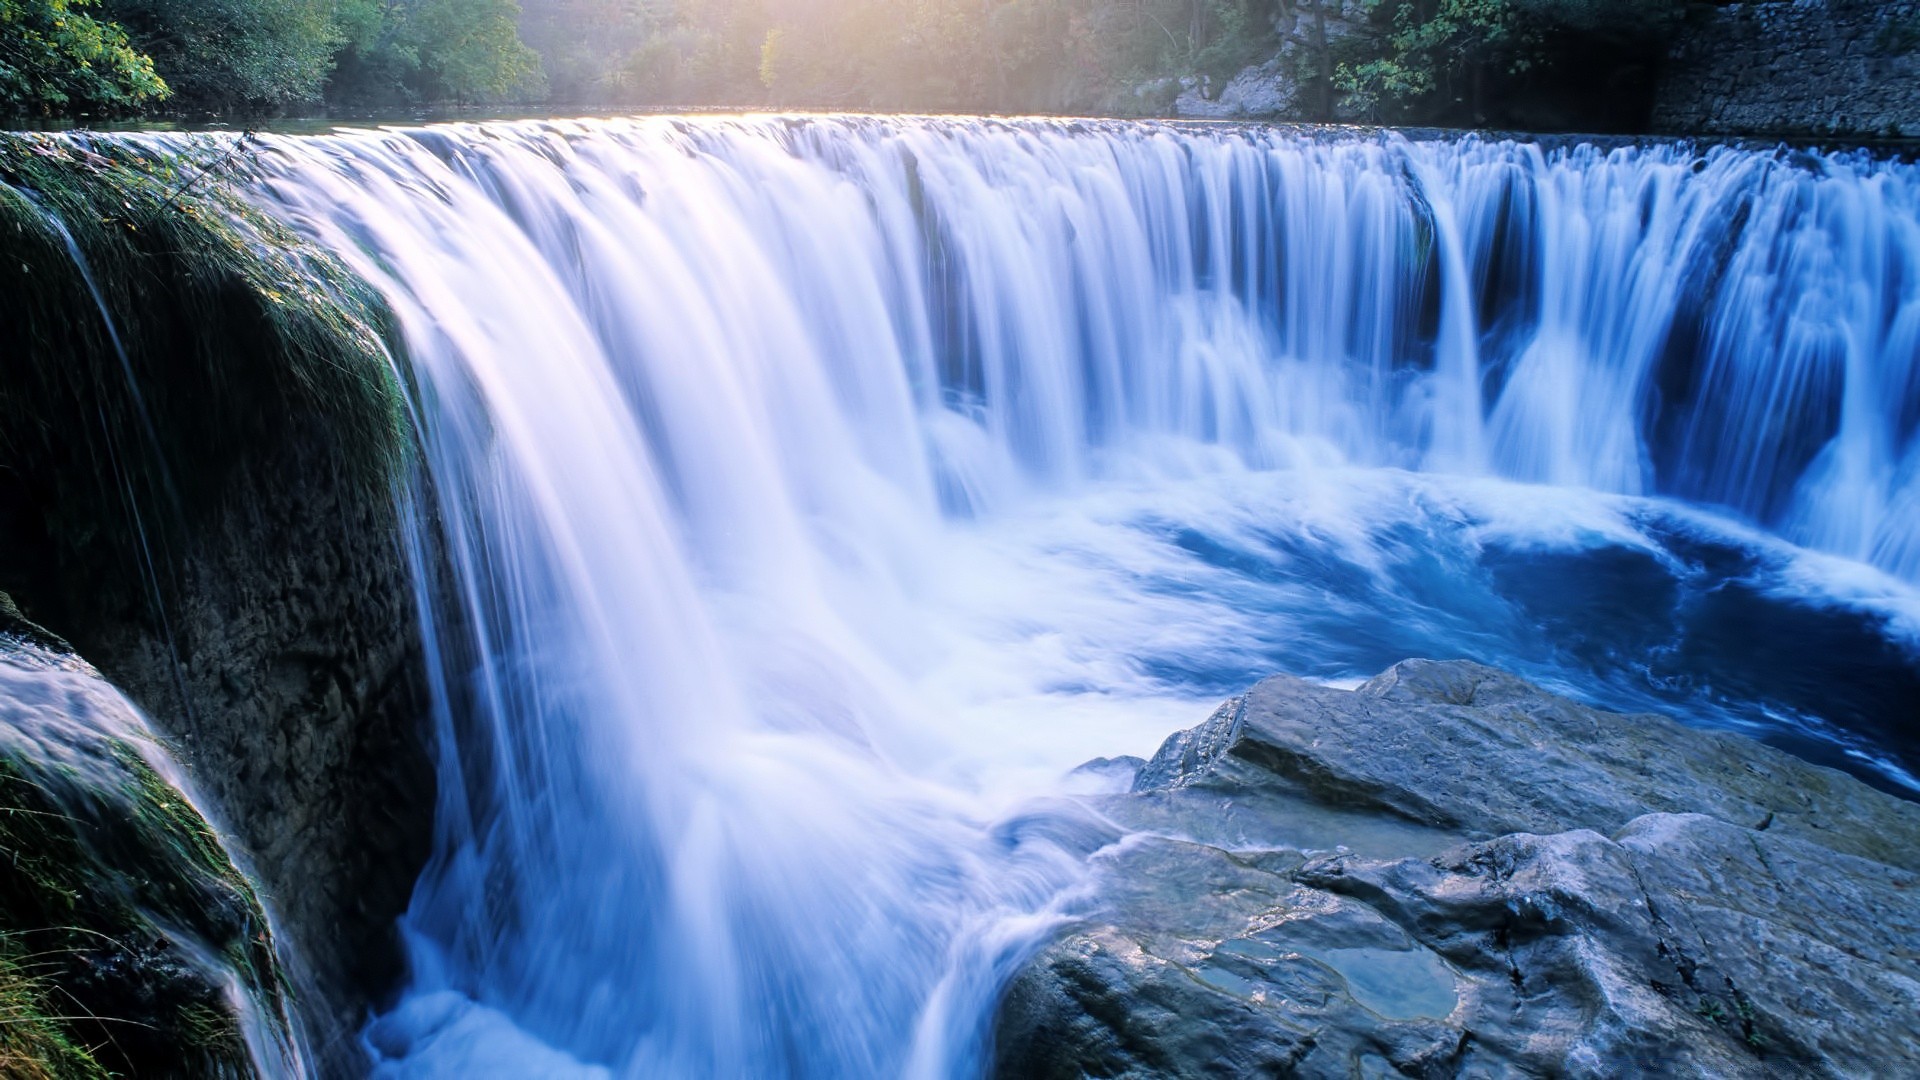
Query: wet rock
130	943
1259	92
200	440
1283	84
289	678
1450	872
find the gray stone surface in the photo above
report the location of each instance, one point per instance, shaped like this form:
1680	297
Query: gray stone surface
1272	88
1448	872
1795	67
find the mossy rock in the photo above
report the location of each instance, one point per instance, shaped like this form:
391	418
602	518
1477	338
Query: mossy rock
164	333
130	943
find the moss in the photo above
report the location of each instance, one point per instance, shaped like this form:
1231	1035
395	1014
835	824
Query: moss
132	914
166	334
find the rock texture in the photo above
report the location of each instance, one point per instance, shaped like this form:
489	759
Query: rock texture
198	438
130	944
1273	88
1449	872
288	678
1796	67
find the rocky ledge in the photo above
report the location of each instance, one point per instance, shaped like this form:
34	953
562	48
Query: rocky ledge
130	942
1450	872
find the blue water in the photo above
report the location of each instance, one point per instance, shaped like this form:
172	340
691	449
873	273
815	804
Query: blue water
817	492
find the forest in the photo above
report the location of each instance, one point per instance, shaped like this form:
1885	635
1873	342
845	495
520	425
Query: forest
1402	61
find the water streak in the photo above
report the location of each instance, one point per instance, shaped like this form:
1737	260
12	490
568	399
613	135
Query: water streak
817	490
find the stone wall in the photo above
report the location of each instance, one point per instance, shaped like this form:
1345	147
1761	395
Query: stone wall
1795	67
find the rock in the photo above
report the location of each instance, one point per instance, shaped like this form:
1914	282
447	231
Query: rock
1106	775
200	441
291	681
1259	92
1795	67
1451	872
1279	87
130	943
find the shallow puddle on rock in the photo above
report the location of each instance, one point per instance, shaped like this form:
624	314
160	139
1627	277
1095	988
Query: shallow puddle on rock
1222	979
1408	984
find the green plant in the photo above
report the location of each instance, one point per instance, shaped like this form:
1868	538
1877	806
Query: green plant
55	57
114	874
1447	59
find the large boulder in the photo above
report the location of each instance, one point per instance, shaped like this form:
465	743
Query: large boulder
1282	85
1451	872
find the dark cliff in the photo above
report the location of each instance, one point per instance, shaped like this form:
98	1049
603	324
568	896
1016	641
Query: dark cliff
200	441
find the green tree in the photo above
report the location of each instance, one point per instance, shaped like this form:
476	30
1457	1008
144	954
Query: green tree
418	51
584	44
234	56
1449	60
57	59
471	50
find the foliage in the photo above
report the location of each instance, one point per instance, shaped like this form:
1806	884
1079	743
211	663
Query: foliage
244	56
1412	60
112	872
1020	55
264	57
410	51
584	45
1443	59
34	1041
55	57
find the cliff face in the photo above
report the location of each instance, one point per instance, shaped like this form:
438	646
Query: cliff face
1796	67
199	443
287	676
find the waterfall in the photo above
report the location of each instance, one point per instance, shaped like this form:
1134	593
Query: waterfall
818	491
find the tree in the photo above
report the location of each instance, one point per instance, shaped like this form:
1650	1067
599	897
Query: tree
56	58
245	56
583	44
412	51
1442	59
471	50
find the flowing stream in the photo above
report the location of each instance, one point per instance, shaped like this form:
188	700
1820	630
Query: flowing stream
818	492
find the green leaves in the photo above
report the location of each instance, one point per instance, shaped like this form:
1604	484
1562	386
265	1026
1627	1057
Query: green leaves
57	58
471	49
1429	59
245	56
409	51
259	57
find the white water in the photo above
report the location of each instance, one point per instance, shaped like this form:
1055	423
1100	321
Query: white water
819	491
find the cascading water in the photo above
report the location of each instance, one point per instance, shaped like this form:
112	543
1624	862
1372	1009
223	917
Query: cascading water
817	492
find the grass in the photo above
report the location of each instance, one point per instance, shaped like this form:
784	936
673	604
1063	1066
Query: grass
34	1041
120	892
